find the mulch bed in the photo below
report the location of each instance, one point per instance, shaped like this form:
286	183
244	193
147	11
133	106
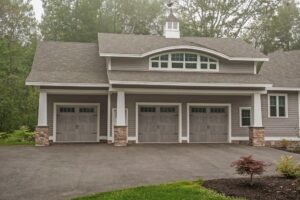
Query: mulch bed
265	188
297	151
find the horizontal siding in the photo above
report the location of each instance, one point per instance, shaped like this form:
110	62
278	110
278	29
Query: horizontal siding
142	64
235	101
283	127
102	99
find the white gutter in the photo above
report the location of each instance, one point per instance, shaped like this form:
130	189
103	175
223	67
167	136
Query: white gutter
283	89
67	84
189	84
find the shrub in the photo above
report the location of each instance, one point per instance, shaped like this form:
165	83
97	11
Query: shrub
23	135
246	165
284	143
288	167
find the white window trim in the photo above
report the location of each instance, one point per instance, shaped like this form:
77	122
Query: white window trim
277	105
241	109
198	62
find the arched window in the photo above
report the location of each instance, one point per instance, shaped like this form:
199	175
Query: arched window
183	61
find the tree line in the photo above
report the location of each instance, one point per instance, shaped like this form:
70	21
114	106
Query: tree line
269	25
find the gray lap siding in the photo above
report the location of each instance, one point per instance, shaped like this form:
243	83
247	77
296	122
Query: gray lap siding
102	99
235	101
282	127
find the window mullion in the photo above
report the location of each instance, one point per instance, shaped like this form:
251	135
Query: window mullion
277	106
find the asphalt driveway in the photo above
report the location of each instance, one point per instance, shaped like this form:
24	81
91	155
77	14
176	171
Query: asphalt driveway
65	171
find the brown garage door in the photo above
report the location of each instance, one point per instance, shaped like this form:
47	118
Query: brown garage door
208	124
76	124
158	124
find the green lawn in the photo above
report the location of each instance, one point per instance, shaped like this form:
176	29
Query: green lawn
175	191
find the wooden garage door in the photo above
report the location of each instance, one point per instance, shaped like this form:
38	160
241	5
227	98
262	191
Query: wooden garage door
76	124
208	124
158	124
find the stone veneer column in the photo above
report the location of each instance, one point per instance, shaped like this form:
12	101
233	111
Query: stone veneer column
41	136
257	136
120	136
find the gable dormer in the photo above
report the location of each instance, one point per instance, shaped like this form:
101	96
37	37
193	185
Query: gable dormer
171	29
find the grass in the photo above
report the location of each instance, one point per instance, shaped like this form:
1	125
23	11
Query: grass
185	190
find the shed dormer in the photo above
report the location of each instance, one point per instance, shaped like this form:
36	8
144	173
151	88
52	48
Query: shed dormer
171	29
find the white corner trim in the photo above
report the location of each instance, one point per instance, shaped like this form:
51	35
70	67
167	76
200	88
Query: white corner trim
109	135
189	84
277	103
51	138
43	109
55	104
255	67
299	112
67	84
240	116
108	63
210	104
137	104
190	47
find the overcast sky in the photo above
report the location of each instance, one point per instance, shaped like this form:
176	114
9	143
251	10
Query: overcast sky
38	9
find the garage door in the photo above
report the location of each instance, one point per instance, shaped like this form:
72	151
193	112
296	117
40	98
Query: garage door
208	124
158	124
76	124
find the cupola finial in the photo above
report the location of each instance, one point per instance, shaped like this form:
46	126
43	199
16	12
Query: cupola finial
171	29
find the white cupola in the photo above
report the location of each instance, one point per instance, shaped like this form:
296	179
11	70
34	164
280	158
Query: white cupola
171	29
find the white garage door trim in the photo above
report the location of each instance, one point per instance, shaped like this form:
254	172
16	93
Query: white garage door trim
55	104
158	104
228	105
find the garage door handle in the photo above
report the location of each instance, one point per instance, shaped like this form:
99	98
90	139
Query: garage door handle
175	133
94	133
140	133
58	132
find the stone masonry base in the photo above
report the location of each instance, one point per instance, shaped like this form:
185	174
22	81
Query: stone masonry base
120	136
257	136
41	136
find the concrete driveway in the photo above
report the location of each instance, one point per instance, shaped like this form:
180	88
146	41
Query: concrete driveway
65	171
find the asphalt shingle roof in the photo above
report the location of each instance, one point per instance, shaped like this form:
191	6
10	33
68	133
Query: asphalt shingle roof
283	69
68	62
140	44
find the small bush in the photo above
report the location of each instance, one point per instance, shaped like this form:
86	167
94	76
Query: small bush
21	136
246	165
288	167
284	143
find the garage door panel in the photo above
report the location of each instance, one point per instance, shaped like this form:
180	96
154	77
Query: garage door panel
208	124
158	124
76	124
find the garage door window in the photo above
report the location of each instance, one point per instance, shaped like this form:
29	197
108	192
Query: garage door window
148	109
167	109
245	117
66	110
198	110
86	110
217	110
